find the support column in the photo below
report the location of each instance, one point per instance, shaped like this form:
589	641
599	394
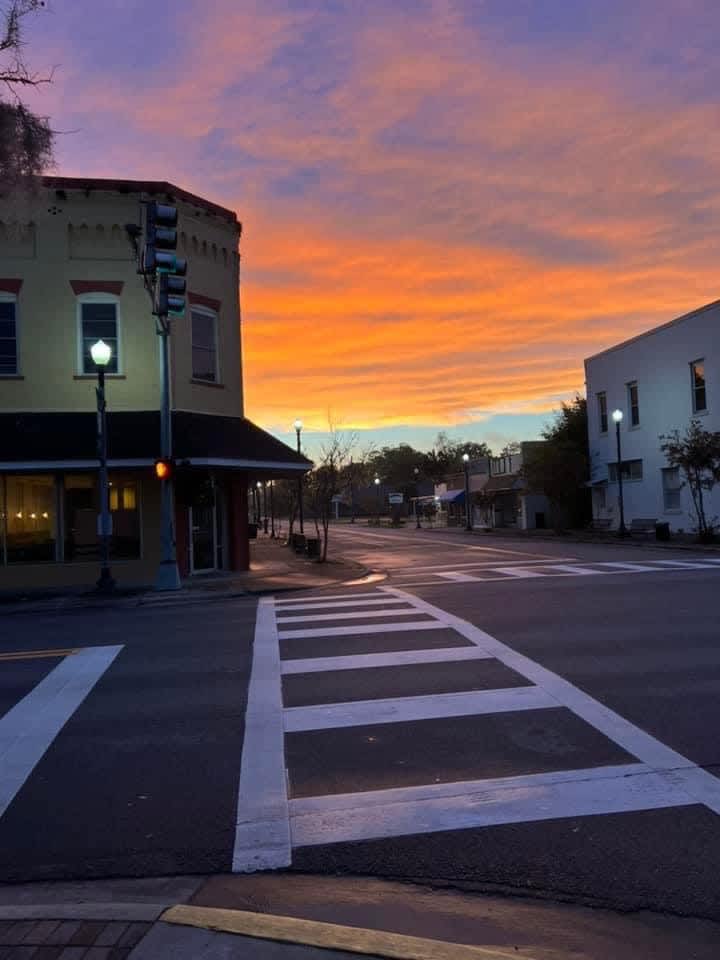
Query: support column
238	522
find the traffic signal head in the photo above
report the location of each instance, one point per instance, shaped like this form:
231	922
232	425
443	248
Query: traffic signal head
161	240
169	295
164	469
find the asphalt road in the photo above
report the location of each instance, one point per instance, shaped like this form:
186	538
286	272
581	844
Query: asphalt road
499	713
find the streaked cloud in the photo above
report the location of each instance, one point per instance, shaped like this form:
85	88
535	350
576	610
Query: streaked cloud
446	205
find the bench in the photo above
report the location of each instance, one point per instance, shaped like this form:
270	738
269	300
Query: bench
601	523
644	525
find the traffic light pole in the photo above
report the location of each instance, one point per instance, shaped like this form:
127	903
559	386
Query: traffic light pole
168	575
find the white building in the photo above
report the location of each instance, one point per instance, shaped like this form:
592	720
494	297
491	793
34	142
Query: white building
660	380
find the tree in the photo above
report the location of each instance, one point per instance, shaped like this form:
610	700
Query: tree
697	454
26	140
354	475
559	467
446	456
324	483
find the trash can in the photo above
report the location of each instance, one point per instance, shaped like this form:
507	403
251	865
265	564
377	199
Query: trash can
313	547
298	542
252	531
662	531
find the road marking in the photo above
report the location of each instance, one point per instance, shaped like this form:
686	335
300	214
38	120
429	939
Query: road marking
482	803
28	728
397	658
631	566
389	538
471	564
262	832
519	572
38	654
281	604
427	707
457	577
702	786
339	604
353	615
356	630
576	571
689	564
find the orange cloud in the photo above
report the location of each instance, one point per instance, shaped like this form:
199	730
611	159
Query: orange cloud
439	224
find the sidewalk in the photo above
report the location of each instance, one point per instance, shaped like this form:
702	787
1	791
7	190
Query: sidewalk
294	916
274	568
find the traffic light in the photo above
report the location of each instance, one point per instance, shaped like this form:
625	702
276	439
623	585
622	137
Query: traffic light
164	469
168	289
160	261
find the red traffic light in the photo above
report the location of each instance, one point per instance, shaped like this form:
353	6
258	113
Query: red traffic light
163	469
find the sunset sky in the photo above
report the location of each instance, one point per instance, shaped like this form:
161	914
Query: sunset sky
446	204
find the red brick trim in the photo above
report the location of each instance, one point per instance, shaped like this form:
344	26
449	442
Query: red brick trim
97	286
8	285
203	301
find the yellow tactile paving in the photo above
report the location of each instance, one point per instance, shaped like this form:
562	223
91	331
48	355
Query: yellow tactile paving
329	936
37	654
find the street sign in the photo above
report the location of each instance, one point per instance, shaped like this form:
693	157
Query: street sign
395	498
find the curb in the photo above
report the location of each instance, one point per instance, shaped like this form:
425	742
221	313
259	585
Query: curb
128	912
327	936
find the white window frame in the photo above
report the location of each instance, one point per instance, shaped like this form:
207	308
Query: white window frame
98	298
212	314
629	386
12	298
603	394
665	489
693	388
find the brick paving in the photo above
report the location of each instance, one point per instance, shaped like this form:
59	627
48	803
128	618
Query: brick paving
69	939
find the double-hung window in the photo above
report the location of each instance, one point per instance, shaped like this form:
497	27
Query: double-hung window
633	404
8	336
98	320
602	412
699	398
204	345
671	485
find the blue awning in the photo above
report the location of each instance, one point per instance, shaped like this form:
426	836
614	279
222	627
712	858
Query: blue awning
452	496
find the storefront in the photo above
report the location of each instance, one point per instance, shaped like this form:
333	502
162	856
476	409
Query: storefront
49	505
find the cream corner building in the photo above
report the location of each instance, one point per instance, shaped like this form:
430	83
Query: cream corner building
68	277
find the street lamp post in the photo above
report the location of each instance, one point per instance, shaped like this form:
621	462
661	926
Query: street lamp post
617	416
271	484
298	427
468	515
376	481
101	353
416	471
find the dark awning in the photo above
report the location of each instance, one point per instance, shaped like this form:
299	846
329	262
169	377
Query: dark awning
60	440
501	484
452	496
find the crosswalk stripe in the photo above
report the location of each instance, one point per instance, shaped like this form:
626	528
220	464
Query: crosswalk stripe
335	604
396	658
483	803
696	781
28	728
356	630
292	601
353	615
574	569
521	573
404	709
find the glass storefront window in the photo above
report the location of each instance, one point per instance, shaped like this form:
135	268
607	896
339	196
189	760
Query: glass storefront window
124	507
81	509
30	518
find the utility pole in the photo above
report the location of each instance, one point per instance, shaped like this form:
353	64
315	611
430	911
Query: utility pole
163	274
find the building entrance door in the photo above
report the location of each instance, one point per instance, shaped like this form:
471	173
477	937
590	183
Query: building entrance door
203	533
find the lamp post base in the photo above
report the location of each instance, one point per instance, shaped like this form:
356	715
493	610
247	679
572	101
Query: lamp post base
168	576
105	583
